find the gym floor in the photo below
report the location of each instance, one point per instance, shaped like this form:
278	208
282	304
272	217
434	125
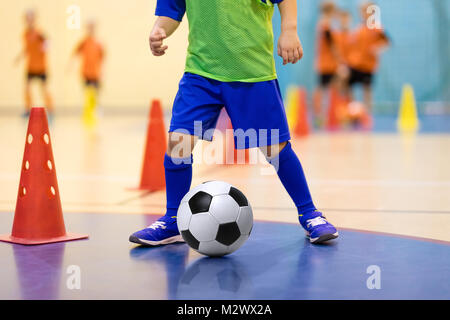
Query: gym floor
388	194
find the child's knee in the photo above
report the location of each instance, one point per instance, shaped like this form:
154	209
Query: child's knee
180	145
273	150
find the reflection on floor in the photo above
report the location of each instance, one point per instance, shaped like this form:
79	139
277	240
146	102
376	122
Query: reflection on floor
276	263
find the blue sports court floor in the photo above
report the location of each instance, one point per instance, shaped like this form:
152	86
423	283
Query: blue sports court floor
276	263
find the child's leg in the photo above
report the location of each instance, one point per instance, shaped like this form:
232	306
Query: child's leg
259	107
367	96
196	107
342	82
28	98
319	99
292	176
178	170
47	96
90	101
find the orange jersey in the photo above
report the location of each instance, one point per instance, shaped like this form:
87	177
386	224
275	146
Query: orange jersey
326	59
91	53
343	45
34	43
365	44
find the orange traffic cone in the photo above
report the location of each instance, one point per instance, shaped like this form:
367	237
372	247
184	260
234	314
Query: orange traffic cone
302	125
338	110
152	176
38	218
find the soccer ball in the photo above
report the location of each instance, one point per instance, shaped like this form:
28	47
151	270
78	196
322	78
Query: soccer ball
215	218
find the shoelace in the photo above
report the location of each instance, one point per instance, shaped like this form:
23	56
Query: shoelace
157	225
316	222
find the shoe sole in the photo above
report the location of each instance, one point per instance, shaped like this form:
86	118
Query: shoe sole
324	238
148	243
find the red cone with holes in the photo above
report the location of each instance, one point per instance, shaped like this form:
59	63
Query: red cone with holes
38	218
152	177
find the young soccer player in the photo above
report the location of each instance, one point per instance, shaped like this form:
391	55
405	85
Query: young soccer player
34	51
91	53
230	63
367	44
327	59
343	45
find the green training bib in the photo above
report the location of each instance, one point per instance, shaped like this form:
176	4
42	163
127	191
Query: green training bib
231	40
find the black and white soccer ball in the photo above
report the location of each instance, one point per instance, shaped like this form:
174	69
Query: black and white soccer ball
215	218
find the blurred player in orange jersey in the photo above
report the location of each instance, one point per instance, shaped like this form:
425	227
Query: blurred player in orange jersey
34	51
92	55
343	45
327	60
366	45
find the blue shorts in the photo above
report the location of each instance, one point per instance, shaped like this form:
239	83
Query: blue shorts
256	110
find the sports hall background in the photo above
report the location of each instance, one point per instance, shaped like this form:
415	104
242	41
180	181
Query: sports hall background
418	54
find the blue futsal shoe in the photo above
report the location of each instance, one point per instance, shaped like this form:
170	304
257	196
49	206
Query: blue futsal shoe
318	229
164	231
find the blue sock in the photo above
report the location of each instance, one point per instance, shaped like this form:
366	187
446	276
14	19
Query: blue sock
178	182
293	178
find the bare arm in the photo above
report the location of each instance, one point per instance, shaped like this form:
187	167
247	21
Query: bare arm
289	45
164	27
20	56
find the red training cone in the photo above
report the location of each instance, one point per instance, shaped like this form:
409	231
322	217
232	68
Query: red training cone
38	217
152	177
333	110
302	126
338	110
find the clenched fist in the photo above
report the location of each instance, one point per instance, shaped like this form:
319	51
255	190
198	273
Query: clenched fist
157	37
289	47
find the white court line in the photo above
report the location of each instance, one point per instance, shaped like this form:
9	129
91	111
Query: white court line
369	183
381	183
79	177
319	182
